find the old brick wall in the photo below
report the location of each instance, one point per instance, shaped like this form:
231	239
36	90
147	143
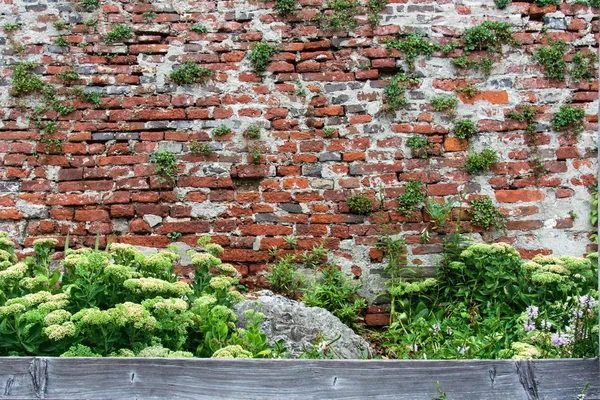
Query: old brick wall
100	179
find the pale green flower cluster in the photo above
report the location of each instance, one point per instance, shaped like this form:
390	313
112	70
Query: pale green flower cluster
12	309
155	287
57	317
161	352
214	249
524	351
171	305
59	332
232	351
126	254
479	249
221	282
205	260
32	283
120	273
79	350
158	263
549	269
133	314
6	243
204	302
7	256
34	299
223	313
415	287
227	270
122	353
14	273
42	244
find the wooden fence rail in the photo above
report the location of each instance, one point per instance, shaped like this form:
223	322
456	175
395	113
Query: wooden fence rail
135	378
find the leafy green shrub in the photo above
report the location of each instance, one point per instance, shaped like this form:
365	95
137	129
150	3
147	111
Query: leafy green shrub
197	147
374	7
568	119
469	91
68	76
395	91
252	132
552	59
166	165
490	35
482	161
418	145
314	257
221	130
584	66
485	215
261	55
342	15
189	73
335	292
412	45
440	213
198	28
483	64
285	7
444	104
119	33
465	129
360	204
23	81
528	115
284	277
412	196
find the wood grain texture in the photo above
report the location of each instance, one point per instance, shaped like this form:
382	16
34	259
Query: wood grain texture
135	378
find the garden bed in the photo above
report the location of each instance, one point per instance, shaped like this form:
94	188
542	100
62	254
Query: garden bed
127	378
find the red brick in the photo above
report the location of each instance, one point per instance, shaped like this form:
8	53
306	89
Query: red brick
91	215
515	196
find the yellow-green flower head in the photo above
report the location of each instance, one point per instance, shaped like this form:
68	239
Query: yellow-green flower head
122	353
14	273
92	317
576	264
126	253
72	260
545	277
4	265
79	350
81	251
57	317
457	265
120	273
153	286
6	243
134	314
45	243
58	332
557	269
158	262
204	302
161	352
6	256
232	351
176	305
12	309
227	270
236	297
32	299
531	266
542	259
524	351
204	260
32	283
221	282
223	313
214	249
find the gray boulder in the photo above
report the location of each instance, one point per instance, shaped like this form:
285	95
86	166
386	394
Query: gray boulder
298	326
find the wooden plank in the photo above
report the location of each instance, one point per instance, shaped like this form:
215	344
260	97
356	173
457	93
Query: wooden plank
140	378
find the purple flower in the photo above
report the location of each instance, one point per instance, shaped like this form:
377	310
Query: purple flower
532	312
559	339
529	326
587	301
546	325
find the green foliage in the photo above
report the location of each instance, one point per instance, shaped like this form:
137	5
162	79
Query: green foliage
568	119
543	3
189	73
374	7
197	147
166	165
291	241
469	91
335	292
584	66
395	91
198	28
360	204
149	16
256	157
284	277
412	196
11	27
412	45
328	132
552	59
68	76
594	213
61	41
440	213
482	161
261	55
483	64
93	98
502	4
252	132
285	7
527	114
490	35
221	130
314	257
465	129
444	104
341	16
60	25
418	145
485	215
174	236
119	33
24	81
90	5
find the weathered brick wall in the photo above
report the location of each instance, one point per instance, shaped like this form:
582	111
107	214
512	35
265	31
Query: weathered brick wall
101	180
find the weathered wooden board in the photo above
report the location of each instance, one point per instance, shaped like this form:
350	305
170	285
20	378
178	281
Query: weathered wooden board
135	378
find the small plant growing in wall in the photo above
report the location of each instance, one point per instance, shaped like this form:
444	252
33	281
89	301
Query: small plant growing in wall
502	4
465	129
418	146
11	27
443	104
252	132
166	165
440	213
412	197
60	25
68	76
285	7
198	28
261	55
90	5
527	114
360	204
482	161
483	64
568	119
552	59
341	16
328	132
24	81
189	73
412	45
149	15
584	66
374	7
119	33
197	148
256	157
485	215
395	91
469	90
61	41
490	35
221	130
283	276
